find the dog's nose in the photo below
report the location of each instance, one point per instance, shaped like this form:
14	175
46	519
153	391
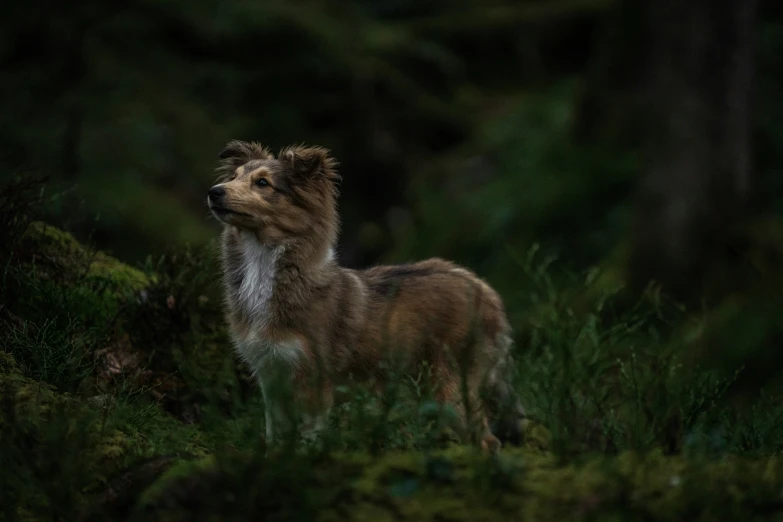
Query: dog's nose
217	192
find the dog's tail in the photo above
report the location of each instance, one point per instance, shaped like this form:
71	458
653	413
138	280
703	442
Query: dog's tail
507	415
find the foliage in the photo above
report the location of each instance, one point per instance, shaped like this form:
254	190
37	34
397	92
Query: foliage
152	417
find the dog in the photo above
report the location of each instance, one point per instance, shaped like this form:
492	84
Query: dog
298	318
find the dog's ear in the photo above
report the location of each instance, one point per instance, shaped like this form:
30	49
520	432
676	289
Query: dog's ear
310	162
236	153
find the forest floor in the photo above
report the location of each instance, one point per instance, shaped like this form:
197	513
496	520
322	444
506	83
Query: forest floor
121	399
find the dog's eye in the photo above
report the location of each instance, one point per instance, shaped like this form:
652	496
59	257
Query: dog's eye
262	182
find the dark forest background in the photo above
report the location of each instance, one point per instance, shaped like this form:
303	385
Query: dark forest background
461	126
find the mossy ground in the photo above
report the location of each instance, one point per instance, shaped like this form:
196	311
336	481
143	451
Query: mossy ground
120	399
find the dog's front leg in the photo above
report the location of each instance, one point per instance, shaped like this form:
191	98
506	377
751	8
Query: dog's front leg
279	420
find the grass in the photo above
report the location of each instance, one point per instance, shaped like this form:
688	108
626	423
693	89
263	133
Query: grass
121	399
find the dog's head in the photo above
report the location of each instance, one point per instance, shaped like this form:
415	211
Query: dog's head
278	198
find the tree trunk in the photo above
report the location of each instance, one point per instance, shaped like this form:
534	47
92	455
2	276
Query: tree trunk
698	177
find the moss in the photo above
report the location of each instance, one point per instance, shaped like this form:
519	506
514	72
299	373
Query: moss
67	253
54	275
55	449
8	366
155	432
119	275
41	427
536	437
174	474
54	239
26	398
35	404
461	484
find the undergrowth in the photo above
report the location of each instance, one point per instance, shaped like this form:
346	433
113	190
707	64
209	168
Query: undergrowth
120	397
606	381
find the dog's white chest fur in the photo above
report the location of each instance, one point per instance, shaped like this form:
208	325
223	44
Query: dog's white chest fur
254	300
268	359
258	269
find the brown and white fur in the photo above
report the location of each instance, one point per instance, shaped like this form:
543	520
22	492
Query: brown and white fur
295	314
